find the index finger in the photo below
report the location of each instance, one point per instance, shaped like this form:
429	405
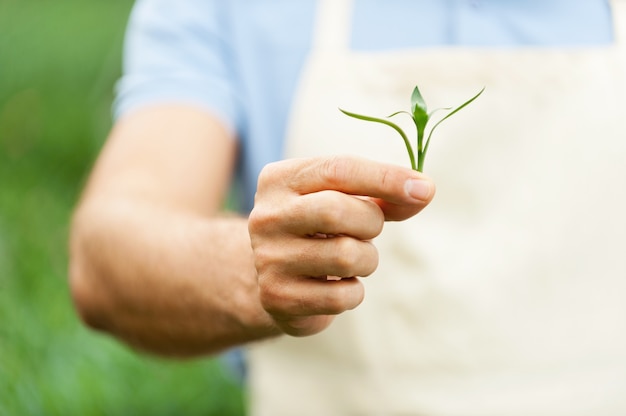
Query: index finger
357	176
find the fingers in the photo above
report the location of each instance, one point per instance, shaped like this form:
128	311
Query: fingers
293	281
299	315
345	199
317	257
404	191
325	212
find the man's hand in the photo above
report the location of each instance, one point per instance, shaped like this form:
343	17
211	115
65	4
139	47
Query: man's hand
311	232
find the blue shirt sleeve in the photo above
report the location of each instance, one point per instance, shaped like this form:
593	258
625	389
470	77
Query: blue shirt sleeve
174	52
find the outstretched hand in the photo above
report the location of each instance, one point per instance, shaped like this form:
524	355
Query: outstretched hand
311	231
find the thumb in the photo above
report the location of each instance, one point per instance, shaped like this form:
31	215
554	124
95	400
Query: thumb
420	189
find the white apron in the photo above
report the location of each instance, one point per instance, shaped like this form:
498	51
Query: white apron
507	295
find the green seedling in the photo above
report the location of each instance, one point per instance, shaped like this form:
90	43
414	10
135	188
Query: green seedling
421	118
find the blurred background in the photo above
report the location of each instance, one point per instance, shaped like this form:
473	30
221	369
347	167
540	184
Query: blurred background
59	61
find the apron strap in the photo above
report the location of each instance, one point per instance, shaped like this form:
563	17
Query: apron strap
618	9
333	25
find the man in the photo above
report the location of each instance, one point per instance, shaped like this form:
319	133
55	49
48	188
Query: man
470	309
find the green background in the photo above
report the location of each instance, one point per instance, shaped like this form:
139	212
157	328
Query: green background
59	60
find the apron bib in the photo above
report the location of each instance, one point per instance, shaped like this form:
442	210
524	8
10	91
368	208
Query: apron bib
507	295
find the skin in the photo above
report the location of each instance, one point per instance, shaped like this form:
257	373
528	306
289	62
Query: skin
155	262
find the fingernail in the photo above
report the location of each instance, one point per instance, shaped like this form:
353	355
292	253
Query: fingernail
418	189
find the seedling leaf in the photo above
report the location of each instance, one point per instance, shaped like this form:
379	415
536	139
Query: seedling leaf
420	113
421	117
450	114
456	110
390	124
417	101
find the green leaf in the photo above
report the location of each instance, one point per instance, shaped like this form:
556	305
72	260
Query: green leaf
460	107
390	124
420	112
417	101
399	112
438	109
450	114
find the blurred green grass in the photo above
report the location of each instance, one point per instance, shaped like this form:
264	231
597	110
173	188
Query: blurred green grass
58	64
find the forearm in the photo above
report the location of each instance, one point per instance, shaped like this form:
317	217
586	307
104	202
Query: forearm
172	283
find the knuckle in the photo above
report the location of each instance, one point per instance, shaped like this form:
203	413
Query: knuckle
371	263
272	263
386	178
351	258
335	169
272	295
267	175
345	256
376	218
263	258
336	302
255	219
264	220
256	222
298	209
329	217
344	297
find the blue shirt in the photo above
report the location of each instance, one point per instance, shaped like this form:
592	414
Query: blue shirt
241	59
